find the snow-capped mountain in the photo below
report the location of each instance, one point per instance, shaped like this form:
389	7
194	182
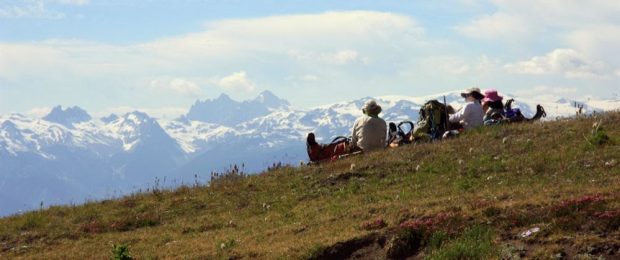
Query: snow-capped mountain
225	111
67	156
68	116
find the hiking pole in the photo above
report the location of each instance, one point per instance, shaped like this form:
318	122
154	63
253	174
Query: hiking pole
445	123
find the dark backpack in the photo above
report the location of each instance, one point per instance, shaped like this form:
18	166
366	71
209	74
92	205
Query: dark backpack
514	114
398	135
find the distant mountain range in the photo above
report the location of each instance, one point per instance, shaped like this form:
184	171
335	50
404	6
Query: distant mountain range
69	157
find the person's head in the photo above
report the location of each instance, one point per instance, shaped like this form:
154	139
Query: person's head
472	94
371	108
492	100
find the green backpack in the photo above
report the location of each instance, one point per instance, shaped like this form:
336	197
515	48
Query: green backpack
433	121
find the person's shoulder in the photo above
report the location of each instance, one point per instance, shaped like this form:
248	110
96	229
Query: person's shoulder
378	120
471	105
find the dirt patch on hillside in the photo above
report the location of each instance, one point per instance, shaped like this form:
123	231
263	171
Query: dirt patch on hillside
389	245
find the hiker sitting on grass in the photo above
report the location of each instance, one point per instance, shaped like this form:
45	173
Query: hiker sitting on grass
493	107
369	131
471	115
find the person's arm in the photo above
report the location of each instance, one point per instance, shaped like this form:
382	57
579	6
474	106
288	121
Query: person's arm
354	133
459	115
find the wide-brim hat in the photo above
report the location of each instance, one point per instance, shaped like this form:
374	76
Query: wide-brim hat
490	95
475	92
371	108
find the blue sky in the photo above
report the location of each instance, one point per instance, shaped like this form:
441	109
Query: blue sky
161	56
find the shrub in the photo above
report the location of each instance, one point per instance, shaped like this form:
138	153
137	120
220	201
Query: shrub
121	252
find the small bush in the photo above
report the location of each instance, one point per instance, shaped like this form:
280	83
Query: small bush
121	252
599	136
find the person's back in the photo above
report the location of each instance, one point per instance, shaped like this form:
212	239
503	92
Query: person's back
370	132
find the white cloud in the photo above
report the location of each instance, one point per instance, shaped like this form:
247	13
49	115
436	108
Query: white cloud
459	65
617	72
73	2
568	62
342	57
237	82
554	90
29	9
446	64
36	9
496	27
39	112
527	19
160	112
317	38
598	41
310	77
546	93
178	86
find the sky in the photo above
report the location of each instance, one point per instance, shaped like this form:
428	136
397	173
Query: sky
113	56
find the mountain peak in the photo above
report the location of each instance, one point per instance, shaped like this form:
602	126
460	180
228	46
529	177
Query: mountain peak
224	97
137	117
67	116
271	101
229	112
109	119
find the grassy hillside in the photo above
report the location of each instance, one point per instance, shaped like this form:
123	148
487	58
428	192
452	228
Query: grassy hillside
471	197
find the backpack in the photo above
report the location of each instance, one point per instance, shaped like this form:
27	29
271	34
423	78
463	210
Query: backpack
322	152
432	122
398	136
513	115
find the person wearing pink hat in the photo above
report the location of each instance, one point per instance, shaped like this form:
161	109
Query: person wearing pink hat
492	106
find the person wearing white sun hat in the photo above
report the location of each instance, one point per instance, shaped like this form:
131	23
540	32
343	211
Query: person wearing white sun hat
369	131
471	115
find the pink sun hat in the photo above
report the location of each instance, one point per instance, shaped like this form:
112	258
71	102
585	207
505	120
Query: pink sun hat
490	95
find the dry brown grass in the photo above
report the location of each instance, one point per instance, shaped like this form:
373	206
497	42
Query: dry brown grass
509	178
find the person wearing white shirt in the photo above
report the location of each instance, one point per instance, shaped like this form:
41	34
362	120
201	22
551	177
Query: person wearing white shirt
472	114
370	131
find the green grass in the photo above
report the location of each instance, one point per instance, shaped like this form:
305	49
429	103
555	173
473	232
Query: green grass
540	177
475	243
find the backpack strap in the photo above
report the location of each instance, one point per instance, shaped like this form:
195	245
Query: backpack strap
393	133
508	105
406	135
340	139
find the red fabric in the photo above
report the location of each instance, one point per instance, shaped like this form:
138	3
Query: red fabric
318	152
